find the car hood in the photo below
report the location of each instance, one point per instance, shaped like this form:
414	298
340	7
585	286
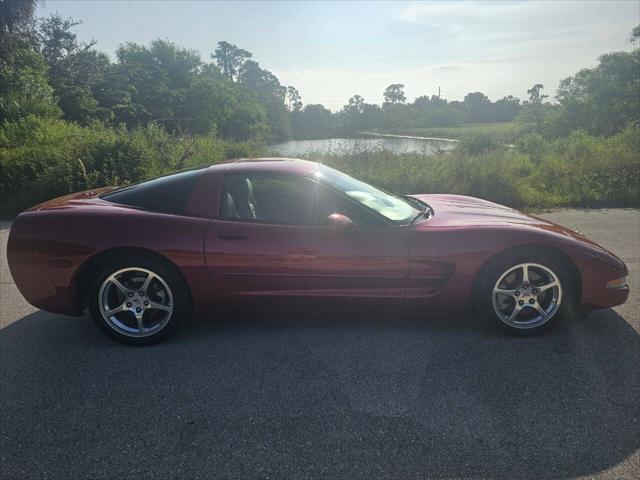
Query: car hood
457	211
461	211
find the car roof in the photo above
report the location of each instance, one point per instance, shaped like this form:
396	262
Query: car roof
269	164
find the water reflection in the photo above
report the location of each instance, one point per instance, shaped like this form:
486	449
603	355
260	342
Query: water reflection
351	146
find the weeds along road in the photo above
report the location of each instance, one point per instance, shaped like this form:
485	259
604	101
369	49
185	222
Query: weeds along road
295	396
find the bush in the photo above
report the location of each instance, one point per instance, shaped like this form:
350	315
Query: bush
580	171
45	158
478	143
533	145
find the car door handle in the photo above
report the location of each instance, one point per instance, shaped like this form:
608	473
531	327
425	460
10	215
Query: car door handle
233	237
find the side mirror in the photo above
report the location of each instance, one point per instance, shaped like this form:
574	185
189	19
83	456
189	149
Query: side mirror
338	222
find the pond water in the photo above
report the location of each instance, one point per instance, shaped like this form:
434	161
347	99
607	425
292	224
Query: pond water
351	146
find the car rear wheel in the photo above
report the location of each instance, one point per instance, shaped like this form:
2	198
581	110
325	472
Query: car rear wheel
137	300
525	294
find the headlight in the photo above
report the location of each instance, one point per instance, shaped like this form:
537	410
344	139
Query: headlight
617	284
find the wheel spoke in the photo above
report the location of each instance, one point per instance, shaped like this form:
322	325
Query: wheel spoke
146	283
514	314
525	274
547	286
120	286
159	306
118	309
139	321
501	291
541	311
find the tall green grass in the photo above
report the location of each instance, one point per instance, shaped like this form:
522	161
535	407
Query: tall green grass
505	131
43	158
579	171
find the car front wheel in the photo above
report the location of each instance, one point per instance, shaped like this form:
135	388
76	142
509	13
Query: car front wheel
525	295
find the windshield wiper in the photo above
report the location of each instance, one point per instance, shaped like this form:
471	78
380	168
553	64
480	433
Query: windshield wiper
425	209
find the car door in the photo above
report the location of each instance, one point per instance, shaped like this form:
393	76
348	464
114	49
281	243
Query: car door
285	249
368	258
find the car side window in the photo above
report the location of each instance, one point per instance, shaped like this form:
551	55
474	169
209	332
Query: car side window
284	200
268	198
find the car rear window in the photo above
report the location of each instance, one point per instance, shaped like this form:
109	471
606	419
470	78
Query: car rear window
168	194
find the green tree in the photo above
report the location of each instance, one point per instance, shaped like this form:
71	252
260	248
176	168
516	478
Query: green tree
506	109
270	94
315	121
295	100
394	93
23	86
15	15
535	94
247	119
158	78
229	58
536	115
372	116
205	106
478	106
605	99
355	104
75	70
256	78
16	27
434	112
422	102
350	119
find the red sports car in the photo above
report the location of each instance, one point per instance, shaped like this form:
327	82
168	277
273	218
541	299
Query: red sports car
140	258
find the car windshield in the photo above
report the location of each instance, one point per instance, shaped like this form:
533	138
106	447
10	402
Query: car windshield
389	206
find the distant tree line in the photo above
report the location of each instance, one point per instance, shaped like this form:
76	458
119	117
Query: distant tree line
46	71
395	114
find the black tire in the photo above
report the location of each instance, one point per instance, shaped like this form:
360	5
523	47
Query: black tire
497	267
167	274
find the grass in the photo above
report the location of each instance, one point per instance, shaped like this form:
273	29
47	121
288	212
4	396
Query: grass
505	130
42	159
577	171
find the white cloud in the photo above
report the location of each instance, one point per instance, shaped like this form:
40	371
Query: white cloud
518	21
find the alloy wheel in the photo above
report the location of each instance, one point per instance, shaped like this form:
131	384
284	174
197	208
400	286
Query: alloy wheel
135	302
527	295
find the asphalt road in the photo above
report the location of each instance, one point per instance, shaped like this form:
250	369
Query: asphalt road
254	395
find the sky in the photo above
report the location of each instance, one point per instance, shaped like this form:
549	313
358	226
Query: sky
332	50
